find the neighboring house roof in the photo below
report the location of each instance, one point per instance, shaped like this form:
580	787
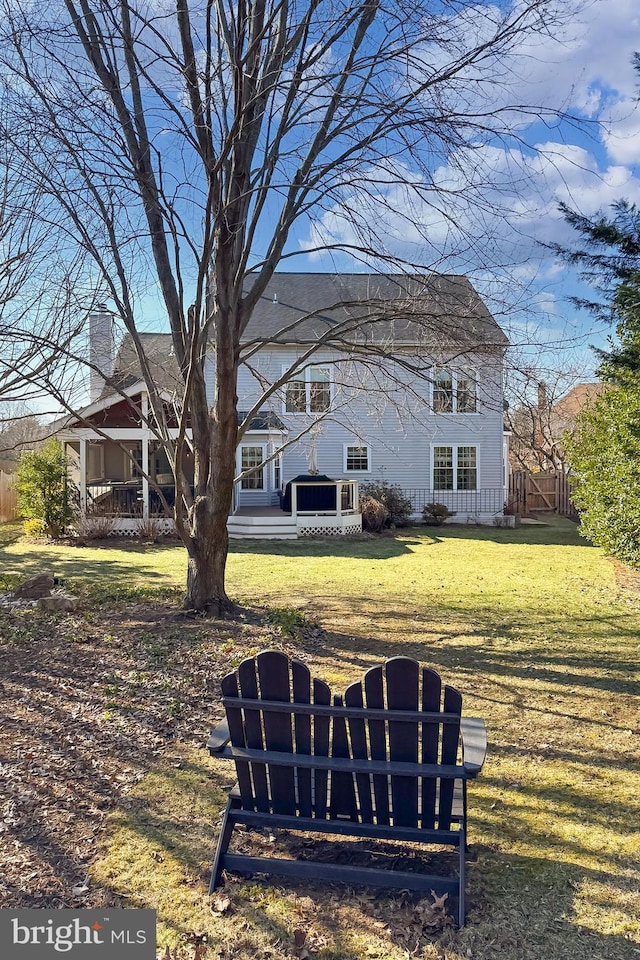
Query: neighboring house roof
351	309
578	398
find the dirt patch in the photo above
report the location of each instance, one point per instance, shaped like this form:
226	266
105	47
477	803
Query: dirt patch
91	701
626	577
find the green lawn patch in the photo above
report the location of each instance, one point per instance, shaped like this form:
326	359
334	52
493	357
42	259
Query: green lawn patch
532	625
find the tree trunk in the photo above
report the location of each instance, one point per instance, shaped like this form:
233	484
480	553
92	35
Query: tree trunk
215	434
206	563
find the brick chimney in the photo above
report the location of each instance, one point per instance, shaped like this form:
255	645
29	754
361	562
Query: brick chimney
542	396
102	351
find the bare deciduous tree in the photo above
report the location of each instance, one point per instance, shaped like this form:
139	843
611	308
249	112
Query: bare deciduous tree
544	405
192	148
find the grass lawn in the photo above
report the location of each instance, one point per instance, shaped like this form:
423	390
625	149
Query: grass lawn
537	629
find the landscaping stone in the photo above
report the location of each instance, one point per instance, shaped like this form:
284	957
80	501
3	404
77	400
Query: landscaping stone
59	602
36	587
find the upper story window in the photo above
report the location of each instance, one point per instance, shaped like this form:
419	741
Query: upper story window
454	391
309	391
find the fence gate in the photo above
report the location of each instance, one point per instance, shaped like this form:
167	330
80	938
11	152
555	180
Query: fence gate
547	490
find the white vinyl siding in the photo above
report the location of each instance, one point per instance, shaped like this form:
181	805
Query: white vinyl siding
400	428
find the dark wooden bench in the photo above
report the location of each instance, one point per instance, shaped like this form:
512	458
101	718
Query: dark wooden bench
389	761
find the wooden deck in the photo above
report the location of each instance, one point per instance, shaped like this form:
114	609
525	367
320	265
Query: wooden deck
271	523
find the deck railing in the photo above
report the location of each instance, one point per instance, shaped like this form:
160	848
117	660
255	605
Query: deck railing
125	499
346	499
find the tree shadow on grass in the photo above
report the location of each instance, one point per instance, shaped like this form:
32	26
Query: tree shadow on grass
561	532
103	577
357	548
519	906
496	647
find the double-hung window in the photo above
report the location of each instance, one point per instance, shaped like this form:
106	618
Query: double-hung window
357	458
296	396
251	460
308	391
455	468
466	400
454	391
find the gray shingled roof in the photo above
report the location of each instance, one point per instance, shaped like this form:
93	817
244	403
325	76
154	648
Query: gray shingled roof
158	349
263	420
434	310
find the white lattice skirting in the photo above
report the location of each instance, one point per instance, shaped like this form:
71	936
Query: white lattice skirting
349	525
345	526
123	527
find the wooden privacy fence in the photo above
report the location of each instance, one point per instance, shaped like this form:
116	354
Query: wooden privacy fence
8	498
547	490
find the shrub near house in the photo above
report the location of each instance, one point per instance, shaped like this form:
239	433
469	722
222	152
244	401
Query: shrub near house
605	458
43	495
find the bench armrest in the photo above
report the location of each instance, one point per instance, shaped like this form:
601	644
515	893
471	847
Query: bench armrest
474	744
219	737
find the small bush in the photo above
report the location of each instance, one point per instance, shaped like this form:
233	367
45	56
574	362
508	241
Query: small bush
287	621
33	527
93	527
435	514
374	514
150	529
399	507
42	488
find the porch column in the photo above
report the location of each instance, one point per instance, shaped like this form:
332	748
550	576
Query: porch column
294	501
145	475
145	457
83	477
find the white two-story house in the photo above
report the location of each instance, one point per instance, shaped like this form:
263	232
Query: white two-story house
345	379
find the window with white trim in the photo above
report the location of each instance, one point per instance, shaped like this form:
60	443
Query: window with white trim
133	462
455	468
357	458
251	459
454	391
308	391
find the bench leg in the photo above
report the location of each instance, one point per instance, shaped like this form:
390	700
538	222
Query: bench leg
462	852
223	844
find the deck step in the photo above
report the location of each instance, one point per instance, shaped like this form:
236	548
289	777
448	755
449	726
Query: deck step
267	528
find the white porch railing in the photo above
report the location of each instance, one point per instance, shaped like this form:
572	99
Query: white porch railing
346	499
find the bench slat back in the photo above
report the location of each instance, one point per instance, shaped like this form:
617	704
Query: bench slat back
403	684
270	788
400	684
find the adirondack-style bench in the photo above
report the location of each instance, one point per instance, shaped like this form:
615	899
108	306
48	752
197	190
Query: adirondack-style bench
388	761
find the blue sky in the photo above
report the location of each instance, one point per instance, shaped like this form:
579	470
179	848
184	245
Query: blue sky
584	150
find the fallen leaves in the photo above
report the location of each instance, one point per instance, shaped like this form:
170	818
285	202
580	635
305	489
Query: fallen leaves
87	709
221	904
